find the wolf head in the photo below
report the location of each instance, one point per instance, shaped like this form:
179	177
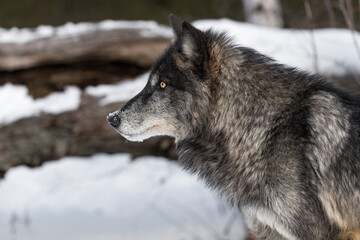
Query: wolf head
176	95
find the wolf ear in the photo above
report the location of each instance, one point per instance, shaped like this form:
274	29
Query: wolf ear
193	42
176	25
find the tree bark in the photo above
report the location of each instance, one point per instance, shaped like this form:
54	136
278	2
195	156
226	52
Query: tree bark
263	12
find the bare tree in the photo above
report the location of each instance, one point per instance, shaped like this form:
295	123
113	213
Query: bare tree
263	12
309	16
348	13
330	11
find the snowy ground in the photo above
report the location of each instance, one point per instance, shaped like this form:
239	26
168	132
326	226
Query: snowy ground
110	197
17	103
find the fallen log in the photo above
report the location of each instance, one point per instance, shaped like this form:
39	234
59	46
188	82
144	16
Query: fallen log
139	45
94	57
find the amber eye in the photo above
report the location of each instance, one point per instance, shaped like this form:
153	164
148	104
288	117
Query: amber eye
162	85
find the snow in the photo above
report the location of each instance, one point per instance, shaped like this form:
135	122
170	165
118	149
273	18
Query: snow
24	35
16	103
109	196
120	92
334	48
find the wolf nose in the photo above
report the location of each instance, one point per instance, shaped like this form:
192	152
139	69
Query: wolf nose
113	119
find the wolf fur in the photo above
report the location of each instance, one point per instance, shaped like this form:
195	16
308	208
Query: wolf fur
280	144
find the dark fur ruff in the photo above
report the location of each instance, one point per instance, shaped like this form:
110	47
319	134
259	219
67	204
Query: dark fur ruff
280	144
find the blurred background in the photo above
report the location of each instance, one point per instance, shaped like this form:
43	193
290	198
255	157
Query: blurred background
31	13
64	65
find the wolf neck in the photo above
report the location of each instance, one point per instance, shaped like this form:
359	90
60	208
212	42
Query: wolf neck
227	153
212	156
227	157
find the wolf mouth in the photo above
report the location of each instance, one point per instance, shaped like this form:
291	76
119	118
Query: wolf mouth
134	135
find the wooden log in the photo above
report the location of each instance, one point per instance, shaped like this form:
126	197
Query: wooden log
43	80
91	58
129	45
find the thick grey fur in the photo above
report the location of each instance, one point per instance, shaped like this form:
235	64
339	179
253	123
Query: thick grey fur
280	144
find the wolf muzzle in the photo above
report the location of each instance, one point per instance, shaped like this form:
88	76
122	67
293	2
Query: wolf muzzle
113	119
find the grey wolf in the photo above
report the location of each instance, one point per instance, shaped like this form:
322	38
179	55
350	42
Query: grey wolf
280	144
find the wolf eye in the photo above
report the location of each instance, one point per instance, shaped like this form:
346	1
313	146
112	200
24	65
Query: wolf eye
162	85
